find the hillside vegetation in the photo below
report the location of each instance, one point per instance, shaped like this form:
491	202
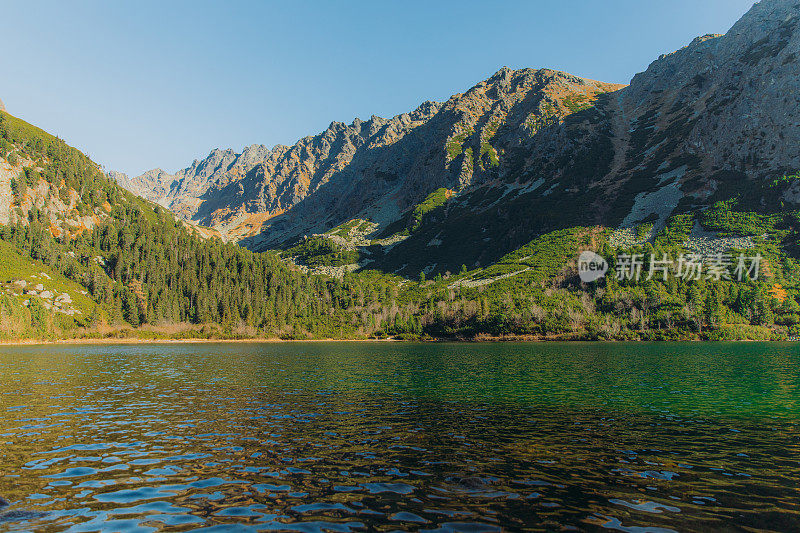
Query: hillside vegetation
459	219
139	271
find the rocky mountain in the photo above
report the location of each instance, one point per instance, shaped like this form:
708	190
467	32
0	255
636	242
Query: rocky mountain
481	205
2	107
376	168
522	153
187	192
715	120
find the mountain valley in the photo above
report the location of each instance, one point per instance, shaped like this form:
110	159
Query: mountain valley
462	218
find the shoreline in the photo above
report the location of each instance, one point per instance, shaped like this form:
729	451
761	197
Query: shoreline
483	340
109	341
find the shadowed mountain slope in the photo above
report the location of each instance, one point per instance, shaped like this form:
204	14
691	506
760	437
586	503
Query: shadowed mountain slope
522	153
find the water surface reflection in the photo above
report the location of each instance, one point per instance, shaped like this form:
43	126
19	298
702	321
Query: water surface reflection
355	437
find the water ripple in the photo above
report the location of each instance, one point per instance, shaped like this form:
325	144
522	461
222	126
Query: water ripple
355	437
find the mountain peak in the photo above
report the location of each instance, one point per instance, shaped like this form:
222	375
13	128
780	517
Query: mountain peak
2	107
766	15
503	74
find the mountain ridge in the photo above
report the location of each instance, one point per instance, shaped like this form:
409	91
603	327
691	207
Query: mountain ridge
376	148
525	152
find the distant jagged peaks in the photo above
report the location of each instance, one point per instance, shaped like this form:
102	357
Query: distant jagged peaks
523	147
379	166
2	107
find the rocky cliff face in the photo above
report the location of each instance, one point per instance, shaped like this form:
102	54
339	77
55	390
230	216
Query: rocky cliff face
524	152
728	103
183	192
376	168
712	121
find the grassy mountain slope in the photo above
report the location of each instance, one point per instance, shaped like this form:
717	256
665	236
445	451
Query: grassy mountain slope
40	301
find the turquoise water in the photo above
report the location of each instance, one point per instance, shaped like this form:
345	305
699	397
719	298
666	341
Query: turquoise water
392	436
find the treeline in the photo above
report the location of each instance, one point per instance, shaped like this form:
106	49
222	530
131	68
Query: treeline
143	271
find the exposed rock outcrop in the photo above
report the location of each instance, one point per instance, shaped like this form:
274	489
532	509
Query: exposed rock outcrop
60	209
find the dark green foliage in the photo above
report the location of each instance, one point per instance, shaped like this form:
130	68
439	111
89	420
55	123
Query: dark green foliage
322	251
723	218
414	218
676	231
18	188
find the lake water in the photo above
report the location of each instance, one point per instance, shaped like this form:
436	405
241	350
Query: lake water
389	436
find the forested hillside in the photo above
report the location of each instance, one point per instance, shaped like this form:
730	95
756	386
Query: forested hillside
459	220
139	264
112	264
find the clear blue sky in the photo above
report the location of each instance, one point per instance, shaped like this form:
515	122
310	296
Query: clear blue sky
147	84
